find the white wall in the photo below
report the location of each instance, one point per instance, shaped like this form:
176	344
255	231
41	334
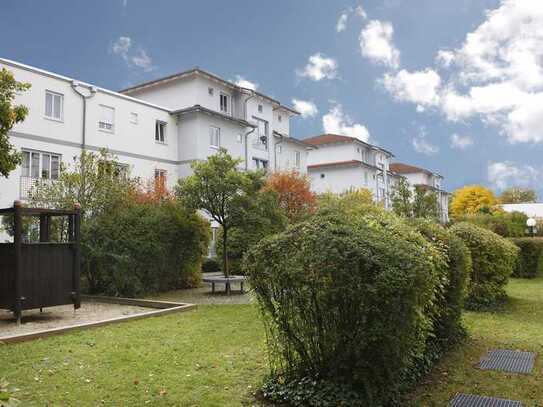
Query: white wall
286	156
336	179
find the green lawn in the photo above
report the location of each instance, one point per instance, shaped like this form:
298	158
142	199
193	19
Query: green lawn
212	356
215	356
519	327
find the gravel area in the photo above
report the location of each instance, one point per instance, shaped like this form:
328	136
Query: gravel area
64	315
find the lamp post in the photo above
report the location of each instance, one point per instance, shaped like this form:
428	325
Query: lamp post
531	222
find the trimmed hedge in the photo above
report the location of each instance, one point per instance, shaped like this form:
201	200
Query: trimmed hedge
530	259
138	249
449	328
211	265
347	300
493	260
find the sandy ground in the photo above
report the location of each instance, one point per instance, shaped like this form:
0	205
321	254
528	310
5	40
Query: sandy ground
56	317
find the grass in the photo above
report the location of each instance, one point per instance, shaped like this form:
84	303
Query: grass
519	326
215	356
212	356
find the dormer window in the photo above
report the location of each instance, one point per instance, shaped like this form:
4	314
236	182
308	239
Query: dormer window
260	108
224	103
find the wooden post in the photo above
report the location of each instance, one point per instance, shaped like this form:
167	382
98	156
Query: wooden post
44	228
77	256
17	240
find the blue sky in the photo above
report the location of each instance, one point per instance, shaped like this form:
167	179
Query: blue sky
453	86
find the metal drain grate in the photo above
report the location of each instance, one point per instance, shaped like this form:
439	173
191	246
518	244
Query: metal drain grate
468	400
508	361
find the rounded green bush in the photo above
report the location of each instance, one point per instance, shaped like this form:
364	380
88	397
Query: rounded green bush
347	300
449	329
493	260
530	259
211	265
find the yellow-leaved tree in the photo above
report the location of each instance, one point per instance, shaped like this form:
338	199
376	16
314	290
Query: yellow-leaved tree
472	199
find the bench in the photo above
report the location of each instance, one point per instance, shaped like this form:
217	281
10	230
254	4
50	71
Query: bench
227	281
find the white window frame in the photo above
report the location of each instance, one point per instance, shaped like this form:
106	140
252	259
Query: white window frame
134	118
103	125
214	137
159	124
40	170
54	95
161	174
227	98
297	159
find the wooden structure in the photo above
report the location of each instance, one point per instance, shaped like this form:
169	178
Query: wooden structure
40	274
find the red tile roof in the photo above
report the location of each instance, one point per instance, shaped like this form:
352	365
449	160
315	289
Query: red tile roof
400	168
329	138
335	163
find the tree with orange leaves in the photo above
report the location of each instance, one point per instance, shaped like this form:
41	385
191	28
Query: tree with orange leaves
153	191
294	193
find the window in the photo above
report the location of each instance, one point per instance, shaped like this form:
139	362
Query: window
240	138
160	177
260	108
262	133
214	137
134	118
297	158
280	118
260	164
210	91
160	132
279	149
54	105
107	119
224	103
40	165
365	178
323	175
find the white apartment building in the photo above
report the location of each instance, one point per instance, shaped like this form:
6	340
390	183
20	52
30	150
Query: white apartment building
420	177
156	129
341	163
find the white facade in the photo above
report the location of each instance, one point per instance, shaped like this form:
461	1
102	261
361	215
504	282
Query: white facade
340	163
159	127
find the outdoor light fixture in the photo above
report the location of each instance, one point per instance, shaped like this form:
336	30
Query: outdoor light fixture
531	222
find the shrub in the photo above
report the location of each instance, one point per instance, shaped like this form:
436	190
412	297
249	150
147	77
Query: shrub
347	300
143	248
503	223
530	259
211	265
493	260
449	329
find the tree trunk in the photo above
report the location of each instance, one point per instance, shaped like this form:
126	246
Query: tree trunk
224	253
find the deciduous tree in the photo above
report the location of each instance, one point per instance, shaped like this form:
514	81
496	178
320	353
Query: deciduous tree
472	199
518	195
10	114
294	193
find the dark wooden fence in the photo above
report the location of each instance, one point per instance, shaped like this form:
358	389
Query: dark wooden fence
40	274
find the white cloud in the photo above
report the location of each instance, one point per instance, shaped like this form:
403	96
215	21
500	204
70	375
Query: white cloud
422	145
461	142
319	67
336	122
341	24
305	107
420	87
377	45
445	58
244	83
123	46
505	174
360	12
